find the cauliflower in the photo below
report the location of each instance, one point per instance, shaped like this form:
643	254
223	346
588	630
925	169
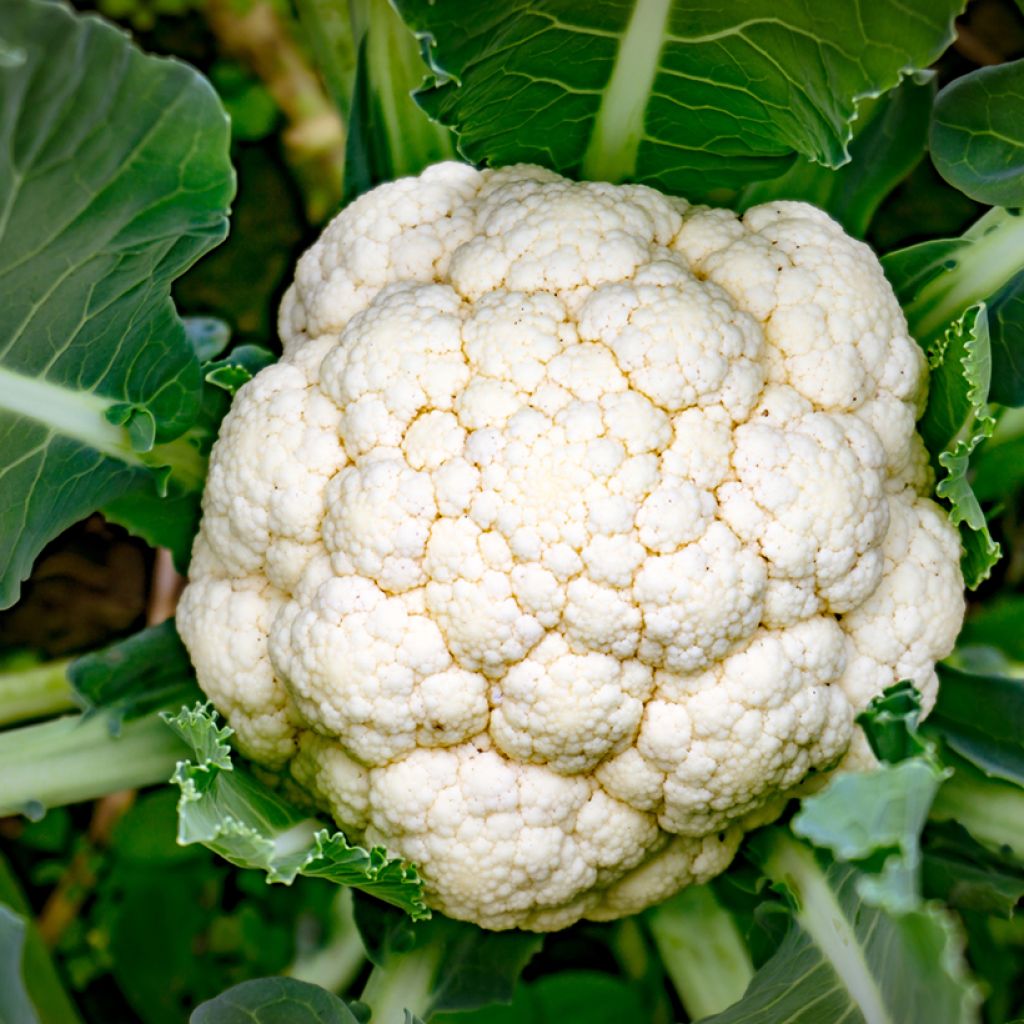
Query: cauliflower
570	533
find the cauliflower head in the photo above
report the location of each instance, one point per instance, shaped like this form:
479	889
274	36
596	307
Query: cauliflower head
570	533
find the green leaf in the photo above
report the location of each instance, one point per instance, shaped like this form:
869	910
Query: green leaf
569	997
998	622
470	968
389	136
874	819
170	519
148	671
889	139
689	99
478	967
977	134
15	1005
965	875
115	178
228	809
956	420
274	1001
981	717
1006	330
890	723
846	960
238	367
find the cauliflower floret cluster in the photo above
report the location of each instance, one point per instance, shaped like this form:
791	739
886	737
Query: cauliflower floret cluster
570	533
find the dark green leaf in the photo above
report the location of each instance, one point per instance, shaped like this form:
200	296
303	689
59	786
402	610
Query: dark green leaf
964	874
1000	623
1006	331
115	176
228	809
132	677
982	719
997	472
274	1001
388	135
570	997
238	367
890	723
479	967
889	139
845	960
977	134
689	99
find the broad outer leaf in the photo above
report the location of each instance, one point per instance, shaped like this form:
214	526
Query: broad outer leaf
977	134
274	1001
687	98
171	520
845	960
889	139
229	810
114	178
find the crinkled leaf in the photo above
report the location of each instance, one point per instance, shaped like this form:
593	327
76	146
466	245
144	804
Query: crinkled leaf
874	819
956	420
227	808
846	960
890	134
689	99
238	367
977	134
145	672
388	135
274	1001
115	178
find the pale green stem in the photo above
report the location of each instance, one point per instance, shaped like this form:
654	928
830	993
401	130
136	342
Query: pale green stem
820	914
335	965
75	758
702	950
35	692
995	255
611	154
405	982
